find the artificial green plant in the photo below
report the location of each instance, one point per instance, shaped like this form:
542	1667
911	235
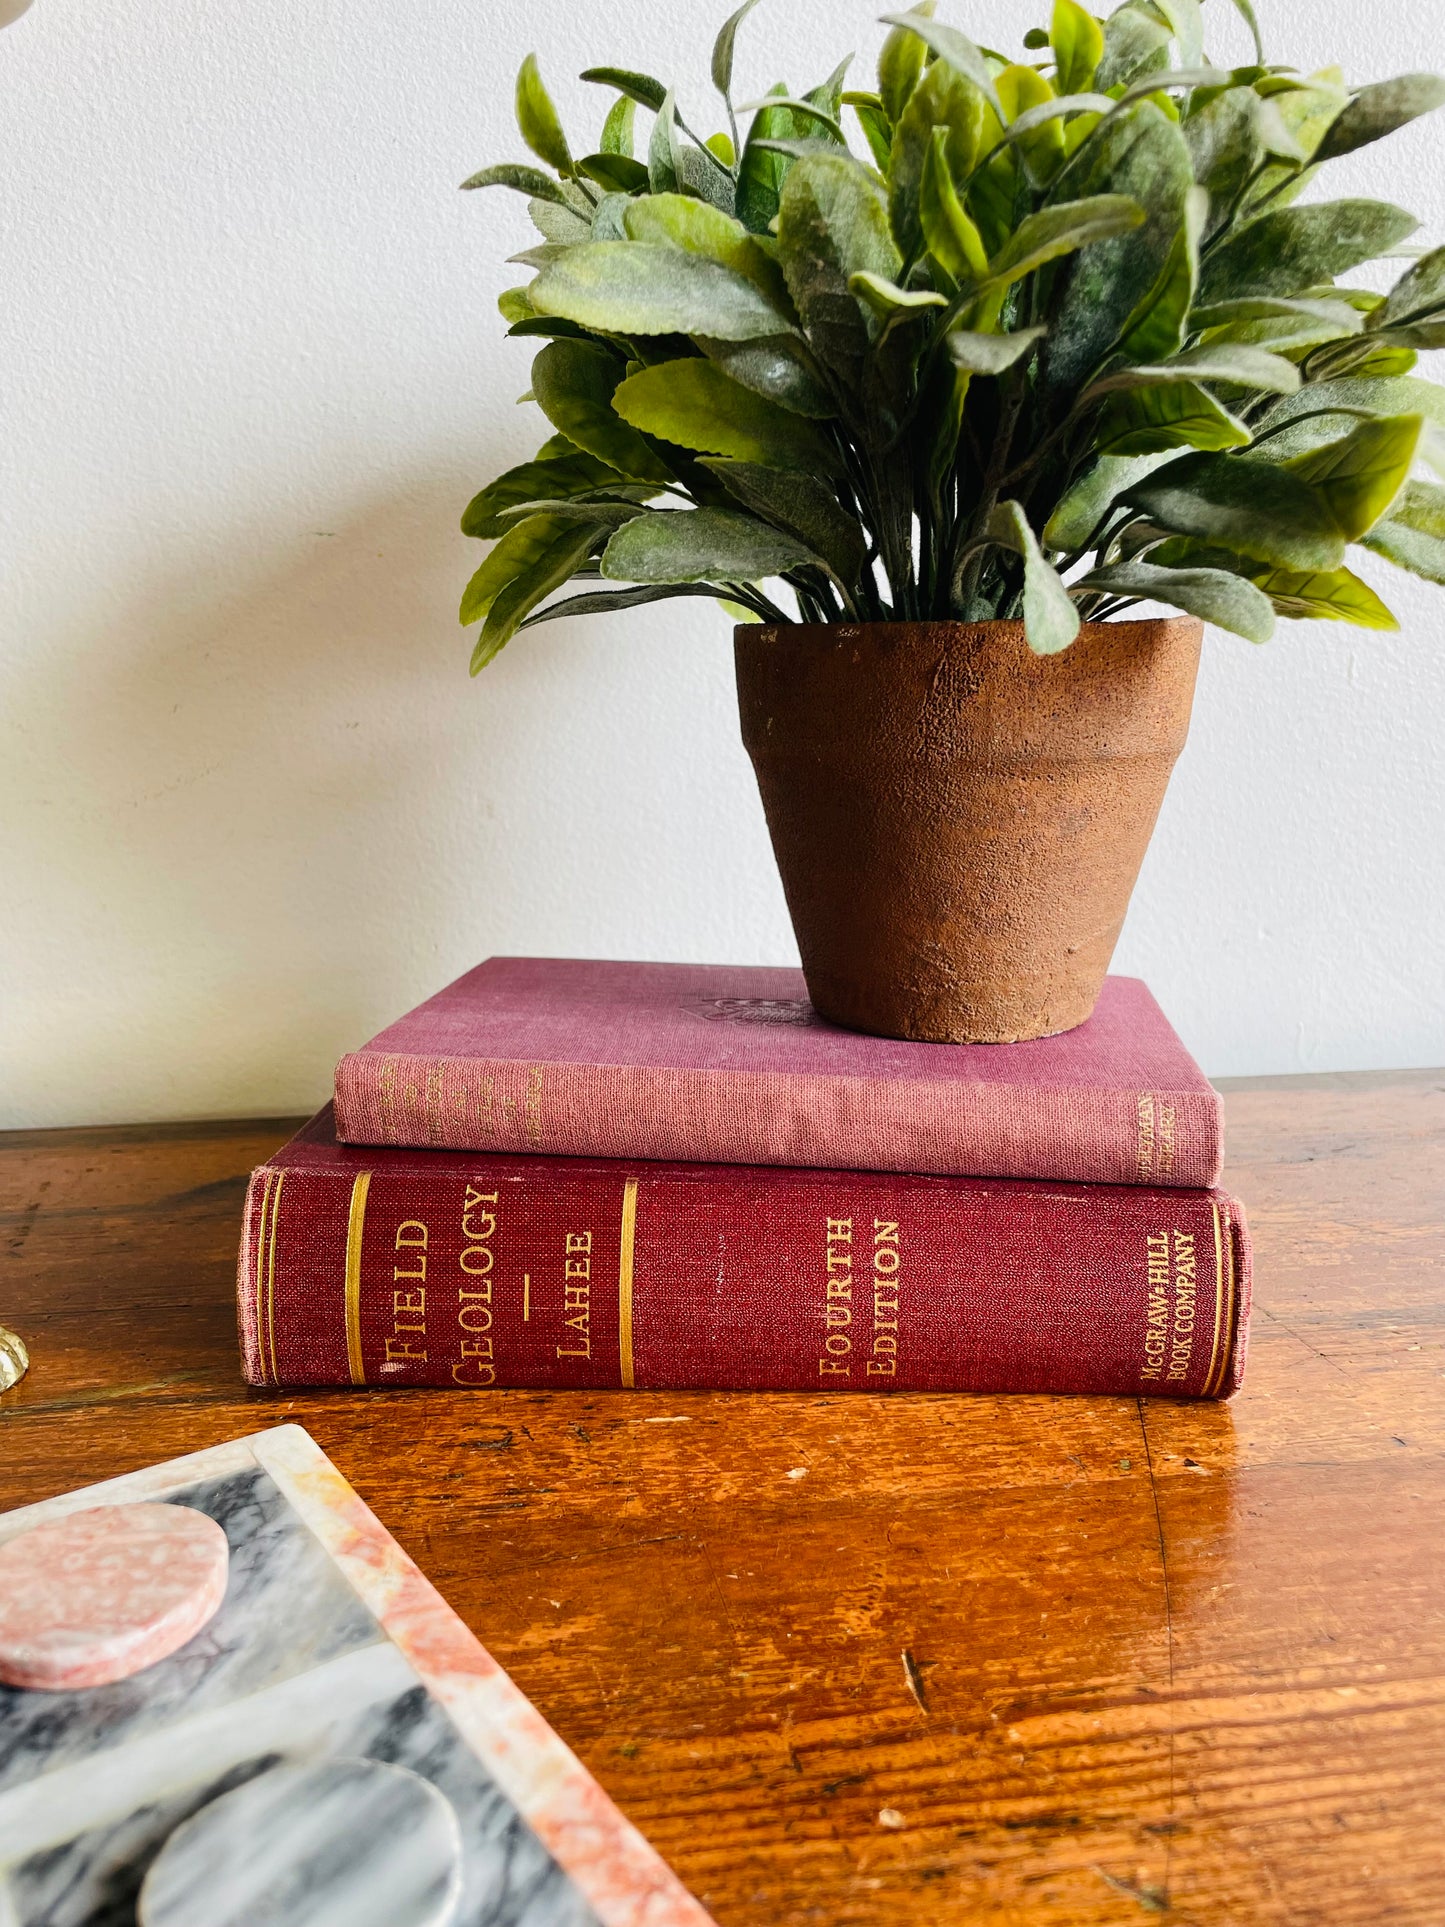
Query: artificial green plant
1059	338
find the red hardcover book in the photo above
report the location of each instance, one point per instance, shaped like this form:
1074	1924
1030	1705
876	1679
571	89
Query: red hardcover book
731	1064
394	1267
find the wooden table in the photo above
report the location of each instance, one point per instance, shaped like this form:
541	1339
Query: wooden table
1178	1663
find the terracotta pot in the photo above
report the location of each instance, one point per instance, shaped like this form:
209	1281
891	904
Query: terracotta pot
958	822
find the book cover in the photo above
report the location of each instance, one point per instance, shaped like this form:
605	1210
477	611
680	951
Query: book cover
730	1064
470	1269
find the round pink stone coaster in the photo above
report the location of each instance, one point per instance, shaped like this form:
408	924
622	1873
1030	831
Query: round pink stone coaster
98	1595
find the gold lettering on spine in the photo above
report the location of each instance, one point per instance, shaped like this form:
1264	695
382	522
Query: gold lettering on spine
260	1298
837	1297
886	1260
355	1224
271	1276
1185	1297
477	1361
1225	1307
1144	1160
1156	1317
624	1281
386	1094
1219	1300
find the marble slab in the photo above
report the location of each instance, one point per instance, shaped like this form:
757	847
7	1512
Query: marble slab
330	1645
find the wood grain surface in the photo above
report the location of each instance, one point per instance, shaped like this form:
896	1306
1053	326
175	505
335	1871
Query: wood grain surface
1163	1662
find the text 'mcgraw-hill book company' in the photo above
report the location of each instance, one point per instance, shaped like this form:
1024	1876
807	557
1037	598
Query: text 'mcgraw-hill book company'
730	1064
376	1266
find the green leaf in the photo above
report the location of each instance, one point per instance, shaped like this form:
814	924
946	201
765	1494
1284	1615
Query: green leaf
521	549
1378	110
679	221
1292	247
562	225
522	179
777	367
563	475
596	511
761	171
617	172
1056	231
642	88
1334	595
555	564
1245	10
607	601
1133	44
1361	474
662	151
832	225
1138	153
1159	324
1145	421
1242	503
574	383
696	405
1412	535
1225	146
1031	109
1051	622
949	232
1286	335
1274	307
609	218
804	111
1418	295
1187	25
1239	367
616	137
537	118
722	49
1081	508
949	45
900	66
889	302
801	506
1323	411
1214	595
942	98
694	545
637	288
1078	43
514	306
982	354
877	129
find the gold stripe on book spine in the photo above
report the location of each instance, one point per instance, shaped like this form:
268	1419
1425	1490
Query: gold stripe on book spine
624	1280
1220	1300
260	1301
1231	1296
355	1225
271	1277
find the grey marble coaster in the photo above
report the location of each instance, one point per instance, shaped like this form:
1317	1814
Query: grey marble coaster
342	1843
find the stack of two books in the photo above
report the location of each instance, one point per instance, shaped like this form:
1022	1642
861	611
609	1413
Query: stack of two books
596	1175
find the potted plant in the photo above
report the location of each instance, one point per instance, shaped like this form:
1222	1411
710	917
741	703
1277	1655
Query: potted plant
929	413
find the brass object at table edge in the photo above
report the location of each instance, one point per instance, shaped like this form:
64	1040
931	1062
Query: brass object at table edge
14	1359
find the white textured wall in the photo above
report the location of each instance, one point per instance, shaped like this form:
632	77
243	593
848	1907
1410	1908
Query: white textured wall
252	806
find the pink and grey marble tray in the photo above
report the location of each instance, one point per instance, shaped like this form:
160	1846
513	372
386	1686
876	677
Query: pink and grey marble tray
330	1644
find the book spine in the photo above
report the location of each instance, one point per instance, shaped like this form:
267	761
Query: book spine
851	1123
732	1279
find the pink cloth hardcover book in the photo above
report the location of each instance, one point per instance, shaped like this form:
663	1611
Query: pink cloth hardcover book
730	1064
